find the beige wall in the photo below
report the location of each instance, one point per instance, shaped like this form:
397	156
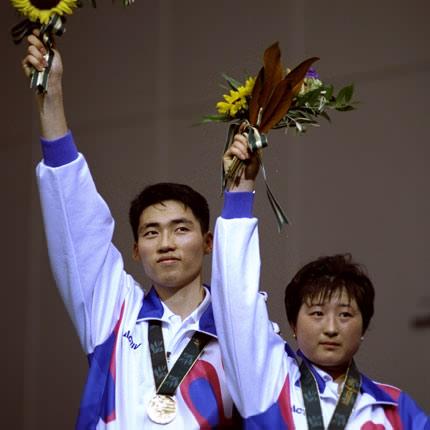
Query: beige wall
137	80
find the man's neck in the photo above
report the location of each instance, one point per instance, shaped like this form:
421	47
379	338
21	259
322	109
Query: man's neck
182	301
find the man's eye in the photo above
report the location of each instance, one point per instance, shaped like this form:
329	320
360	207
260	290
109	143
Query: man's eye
150	233
182	229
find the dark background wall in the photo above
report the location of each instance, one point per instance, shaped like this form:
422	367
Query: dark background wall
136	81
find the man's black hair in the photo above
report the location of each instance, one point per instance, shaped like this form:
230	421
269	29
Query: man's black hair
163	191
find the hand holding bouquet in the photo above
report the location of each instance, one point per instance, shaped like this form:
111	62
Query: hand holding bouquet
276	98
48	16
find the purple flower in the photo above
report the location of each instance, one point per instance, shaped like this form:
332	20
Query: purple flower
312	73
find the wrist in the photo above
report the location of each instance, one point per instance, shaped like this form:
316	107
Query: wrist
51	112
244	185
52	96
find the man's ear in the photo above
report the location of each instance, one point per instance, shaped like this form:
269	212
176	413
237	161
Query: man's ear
208	242
136	256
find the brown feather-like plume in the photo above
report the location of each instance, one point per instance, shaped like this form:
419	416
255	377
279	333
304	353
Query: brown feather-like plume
268	78
283	95
255	95
273	73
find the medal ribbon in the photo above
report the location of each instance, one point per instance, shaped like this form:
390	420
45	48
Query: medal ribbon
256	142
167	382
344	405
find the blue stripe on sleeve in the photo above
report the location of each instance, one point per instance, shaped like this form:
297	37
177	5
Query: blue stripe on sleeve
59	151
238	205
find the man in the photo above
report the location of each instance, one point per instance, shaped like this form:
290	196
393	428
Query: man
154	358
329	305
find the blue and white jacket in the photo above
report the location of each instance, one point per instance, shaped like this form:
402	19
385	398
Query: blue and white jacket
262	372
110	310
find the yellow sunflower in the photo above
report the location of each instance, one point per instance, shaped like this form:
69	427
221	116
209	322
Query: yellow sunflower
42	10
236	101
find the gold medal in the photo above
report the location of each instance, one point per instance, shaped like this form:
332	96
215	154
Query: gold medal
162	408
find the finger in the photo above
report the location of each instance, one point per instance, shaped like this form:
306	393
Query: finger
243	126
35	58
31	61
238	151
241	140
241	137
234	151
27	68
37	43
32	51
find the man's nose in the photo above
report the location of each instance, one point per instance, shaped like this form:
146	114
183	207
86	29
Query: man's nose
167	242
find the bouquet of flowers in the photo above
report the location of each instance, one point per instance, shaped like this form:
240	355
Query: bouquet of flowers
48	17
276	98
313	100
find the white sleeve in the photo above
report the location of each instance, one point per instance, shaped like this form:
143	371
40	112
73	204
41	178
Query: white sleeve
253	354
87	268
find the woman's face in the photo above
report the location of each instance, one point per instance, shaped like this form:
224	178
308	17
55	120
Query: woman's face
329	333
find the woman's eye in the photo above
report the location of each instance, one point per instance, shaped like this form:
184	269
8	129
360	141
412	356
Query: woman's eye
317	313
346	315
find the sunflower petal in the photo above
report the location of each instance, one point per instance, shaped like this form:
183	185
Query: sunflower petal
37	14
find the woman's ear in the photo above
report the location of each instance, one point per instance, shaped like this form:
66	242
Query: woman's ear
293	329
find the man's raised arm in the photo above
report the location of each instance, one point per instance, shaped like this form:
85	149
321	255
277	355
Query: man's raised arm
253	355
87	268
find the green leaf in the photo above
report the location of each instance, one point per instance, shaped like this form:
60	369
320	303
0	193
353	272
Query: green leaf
214	118
344	96
345	108
329	91
311	97
232	82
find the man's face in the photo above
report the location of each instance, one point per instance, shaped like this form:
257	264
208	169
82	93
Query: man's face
171	245
329	333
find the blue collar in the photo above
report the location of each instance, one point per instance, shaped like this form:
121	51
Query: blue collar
367	385
290	352
152	308
371	388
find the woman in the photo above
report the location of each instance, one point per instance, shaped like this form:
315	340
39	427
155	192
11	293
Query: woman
329	305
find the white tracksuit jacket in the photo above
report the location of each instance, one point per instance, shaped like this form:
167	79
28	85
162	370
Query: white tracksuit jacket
262	373
111	312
